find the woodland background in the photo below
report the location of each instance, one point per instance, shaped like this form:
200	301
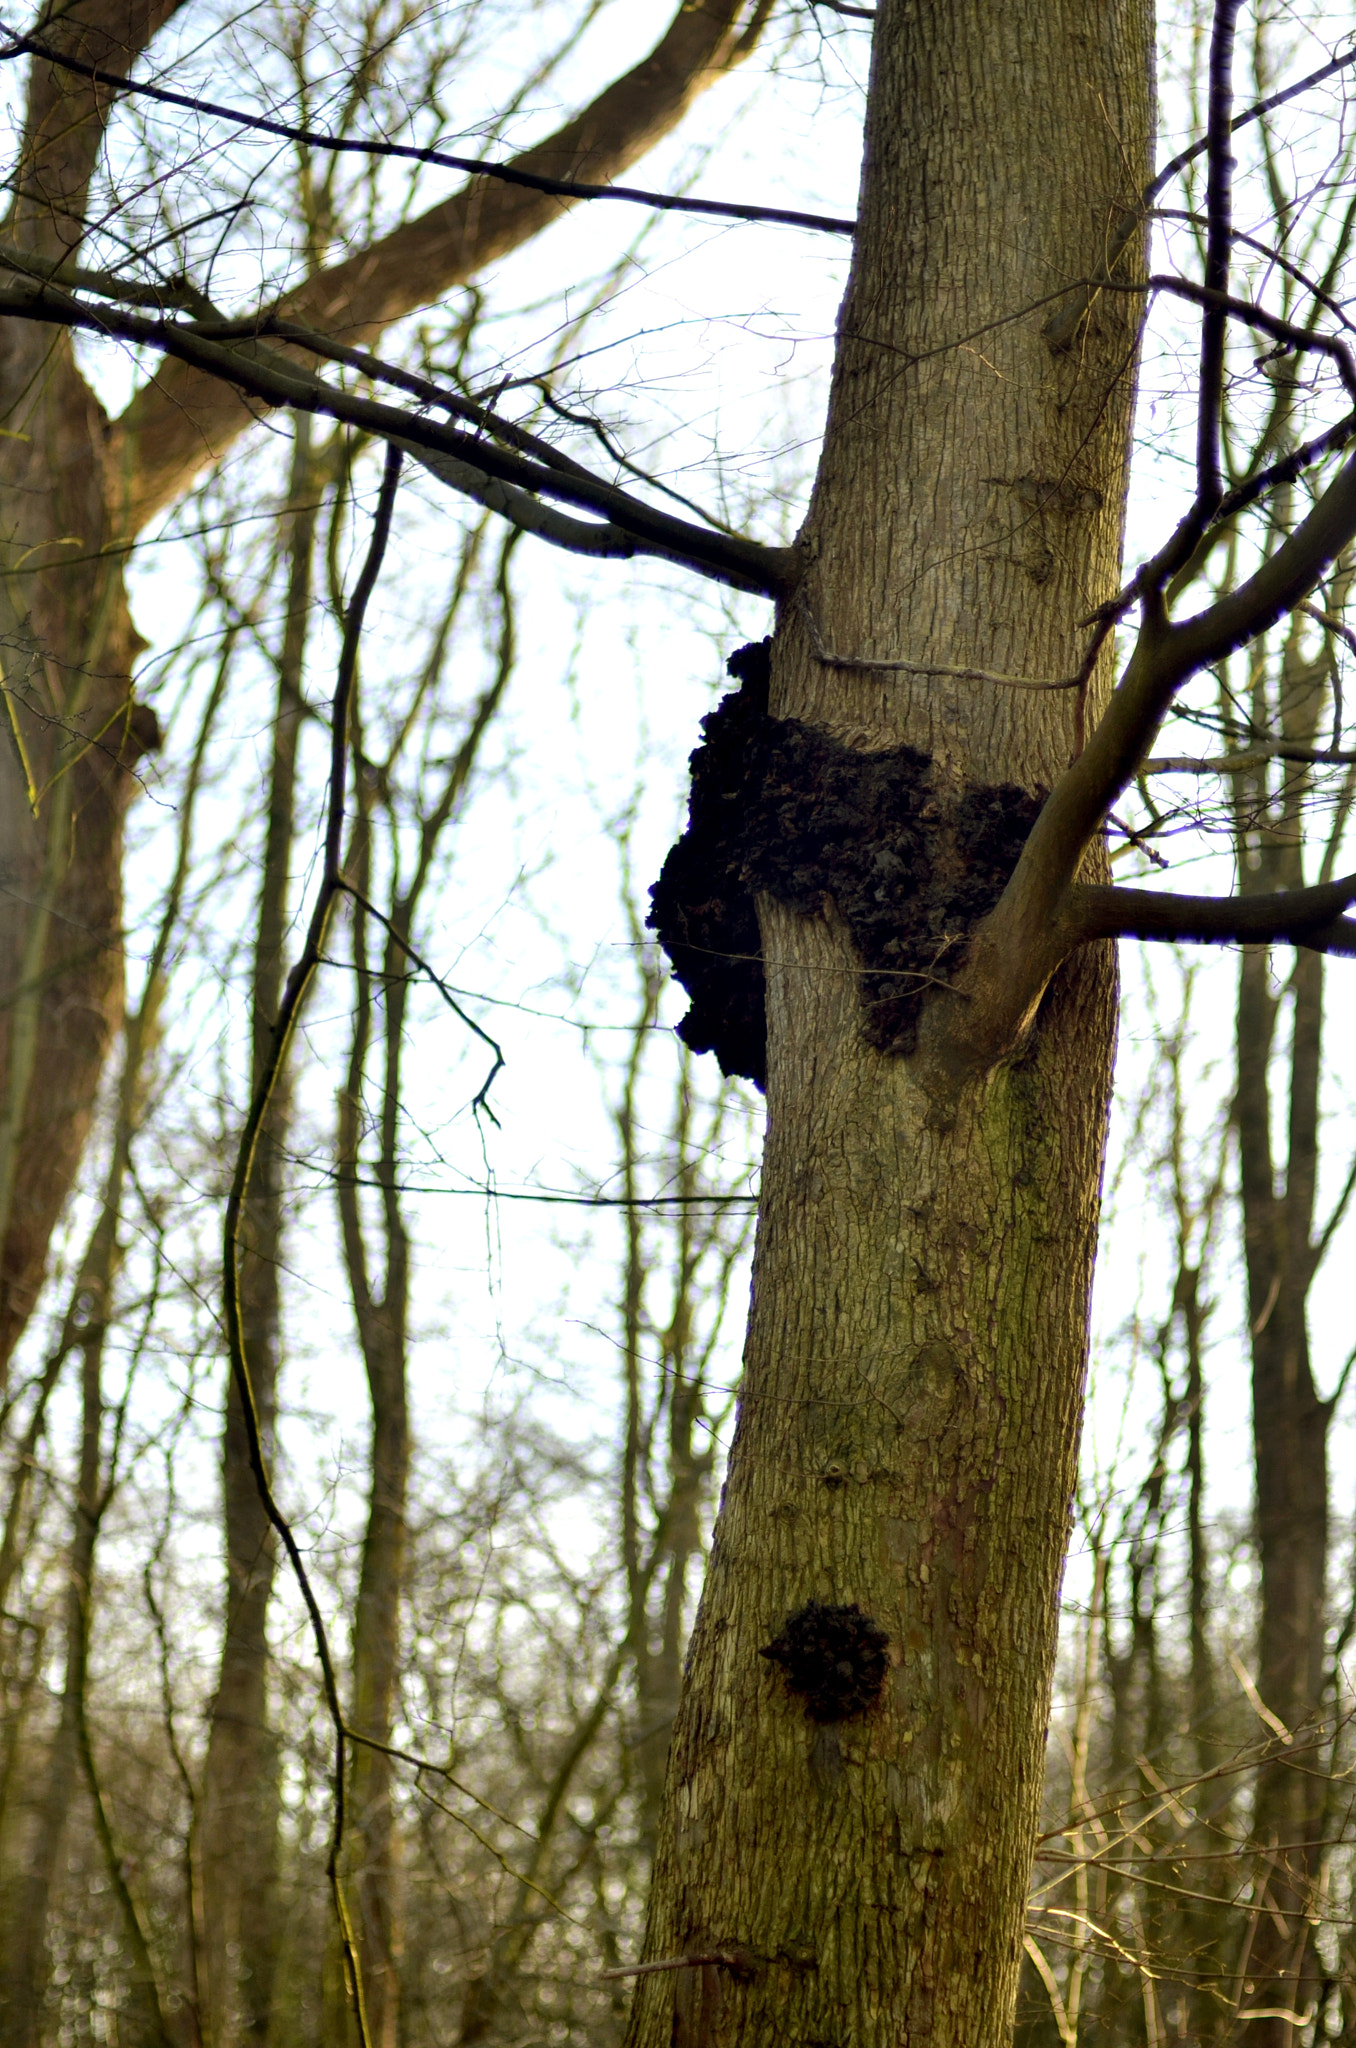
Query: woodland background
512	1317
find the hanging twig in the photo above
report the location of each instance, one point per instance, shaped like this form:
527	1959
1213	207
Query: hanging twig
480	1100
298	981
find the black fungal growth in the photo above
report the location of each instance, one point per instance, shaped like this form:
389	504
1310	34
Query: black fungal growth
834	1659
781	808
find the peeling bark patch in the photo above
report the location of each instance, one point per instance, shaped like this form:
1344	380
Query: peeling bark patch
778	807
834	1658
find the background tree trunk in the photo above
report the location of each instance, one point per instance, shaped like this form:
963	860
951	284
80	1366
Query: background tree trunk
381	1319
915	1357
241	1789
66	650
72	483
1290	1420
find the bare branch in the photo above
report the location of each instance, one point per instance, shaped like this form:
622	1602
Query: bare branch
476	167
1277	474
1253	757
1219	215
521	509
1310	917
425	389
470	463
1062	326
1035	923
1165	657
181	419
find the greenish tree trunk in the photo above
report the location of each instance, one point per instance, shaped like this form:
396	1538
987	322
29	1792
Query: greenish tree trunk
914	1367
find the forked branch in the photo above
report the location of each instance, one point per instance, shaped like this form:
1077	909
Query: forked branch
508	482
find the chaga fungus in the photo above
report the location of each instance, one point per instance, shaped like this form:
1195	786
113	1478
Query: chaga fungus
778	807
834	1658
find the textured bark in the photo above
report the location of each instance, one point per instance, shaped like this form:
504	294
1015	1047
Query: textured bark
66	649
376	1671
659	1678
914	1367
27	1891
659	1571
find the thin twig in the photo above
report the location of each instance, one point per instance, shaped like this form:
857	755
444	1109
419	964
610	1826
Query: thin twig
476	167
423	1763
1062	326
920	668
1273	255
1253	113
298	981
480	1100
1227	305
716	1958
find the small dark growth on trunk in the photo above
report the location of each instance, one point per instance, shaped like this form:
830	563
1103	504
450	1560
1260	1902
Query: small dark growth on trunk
834	1658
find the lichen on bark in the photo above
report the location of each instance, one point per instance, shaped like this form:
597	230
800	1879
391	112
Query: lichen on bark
781	808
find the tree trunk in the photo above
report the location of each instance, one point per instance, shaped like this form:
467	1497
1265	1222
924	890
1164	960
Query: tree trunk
914	1367
371	1861
74	486
381	1319
25	1959
376	1670
23	1989
1290	1421
241	1788
66	652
